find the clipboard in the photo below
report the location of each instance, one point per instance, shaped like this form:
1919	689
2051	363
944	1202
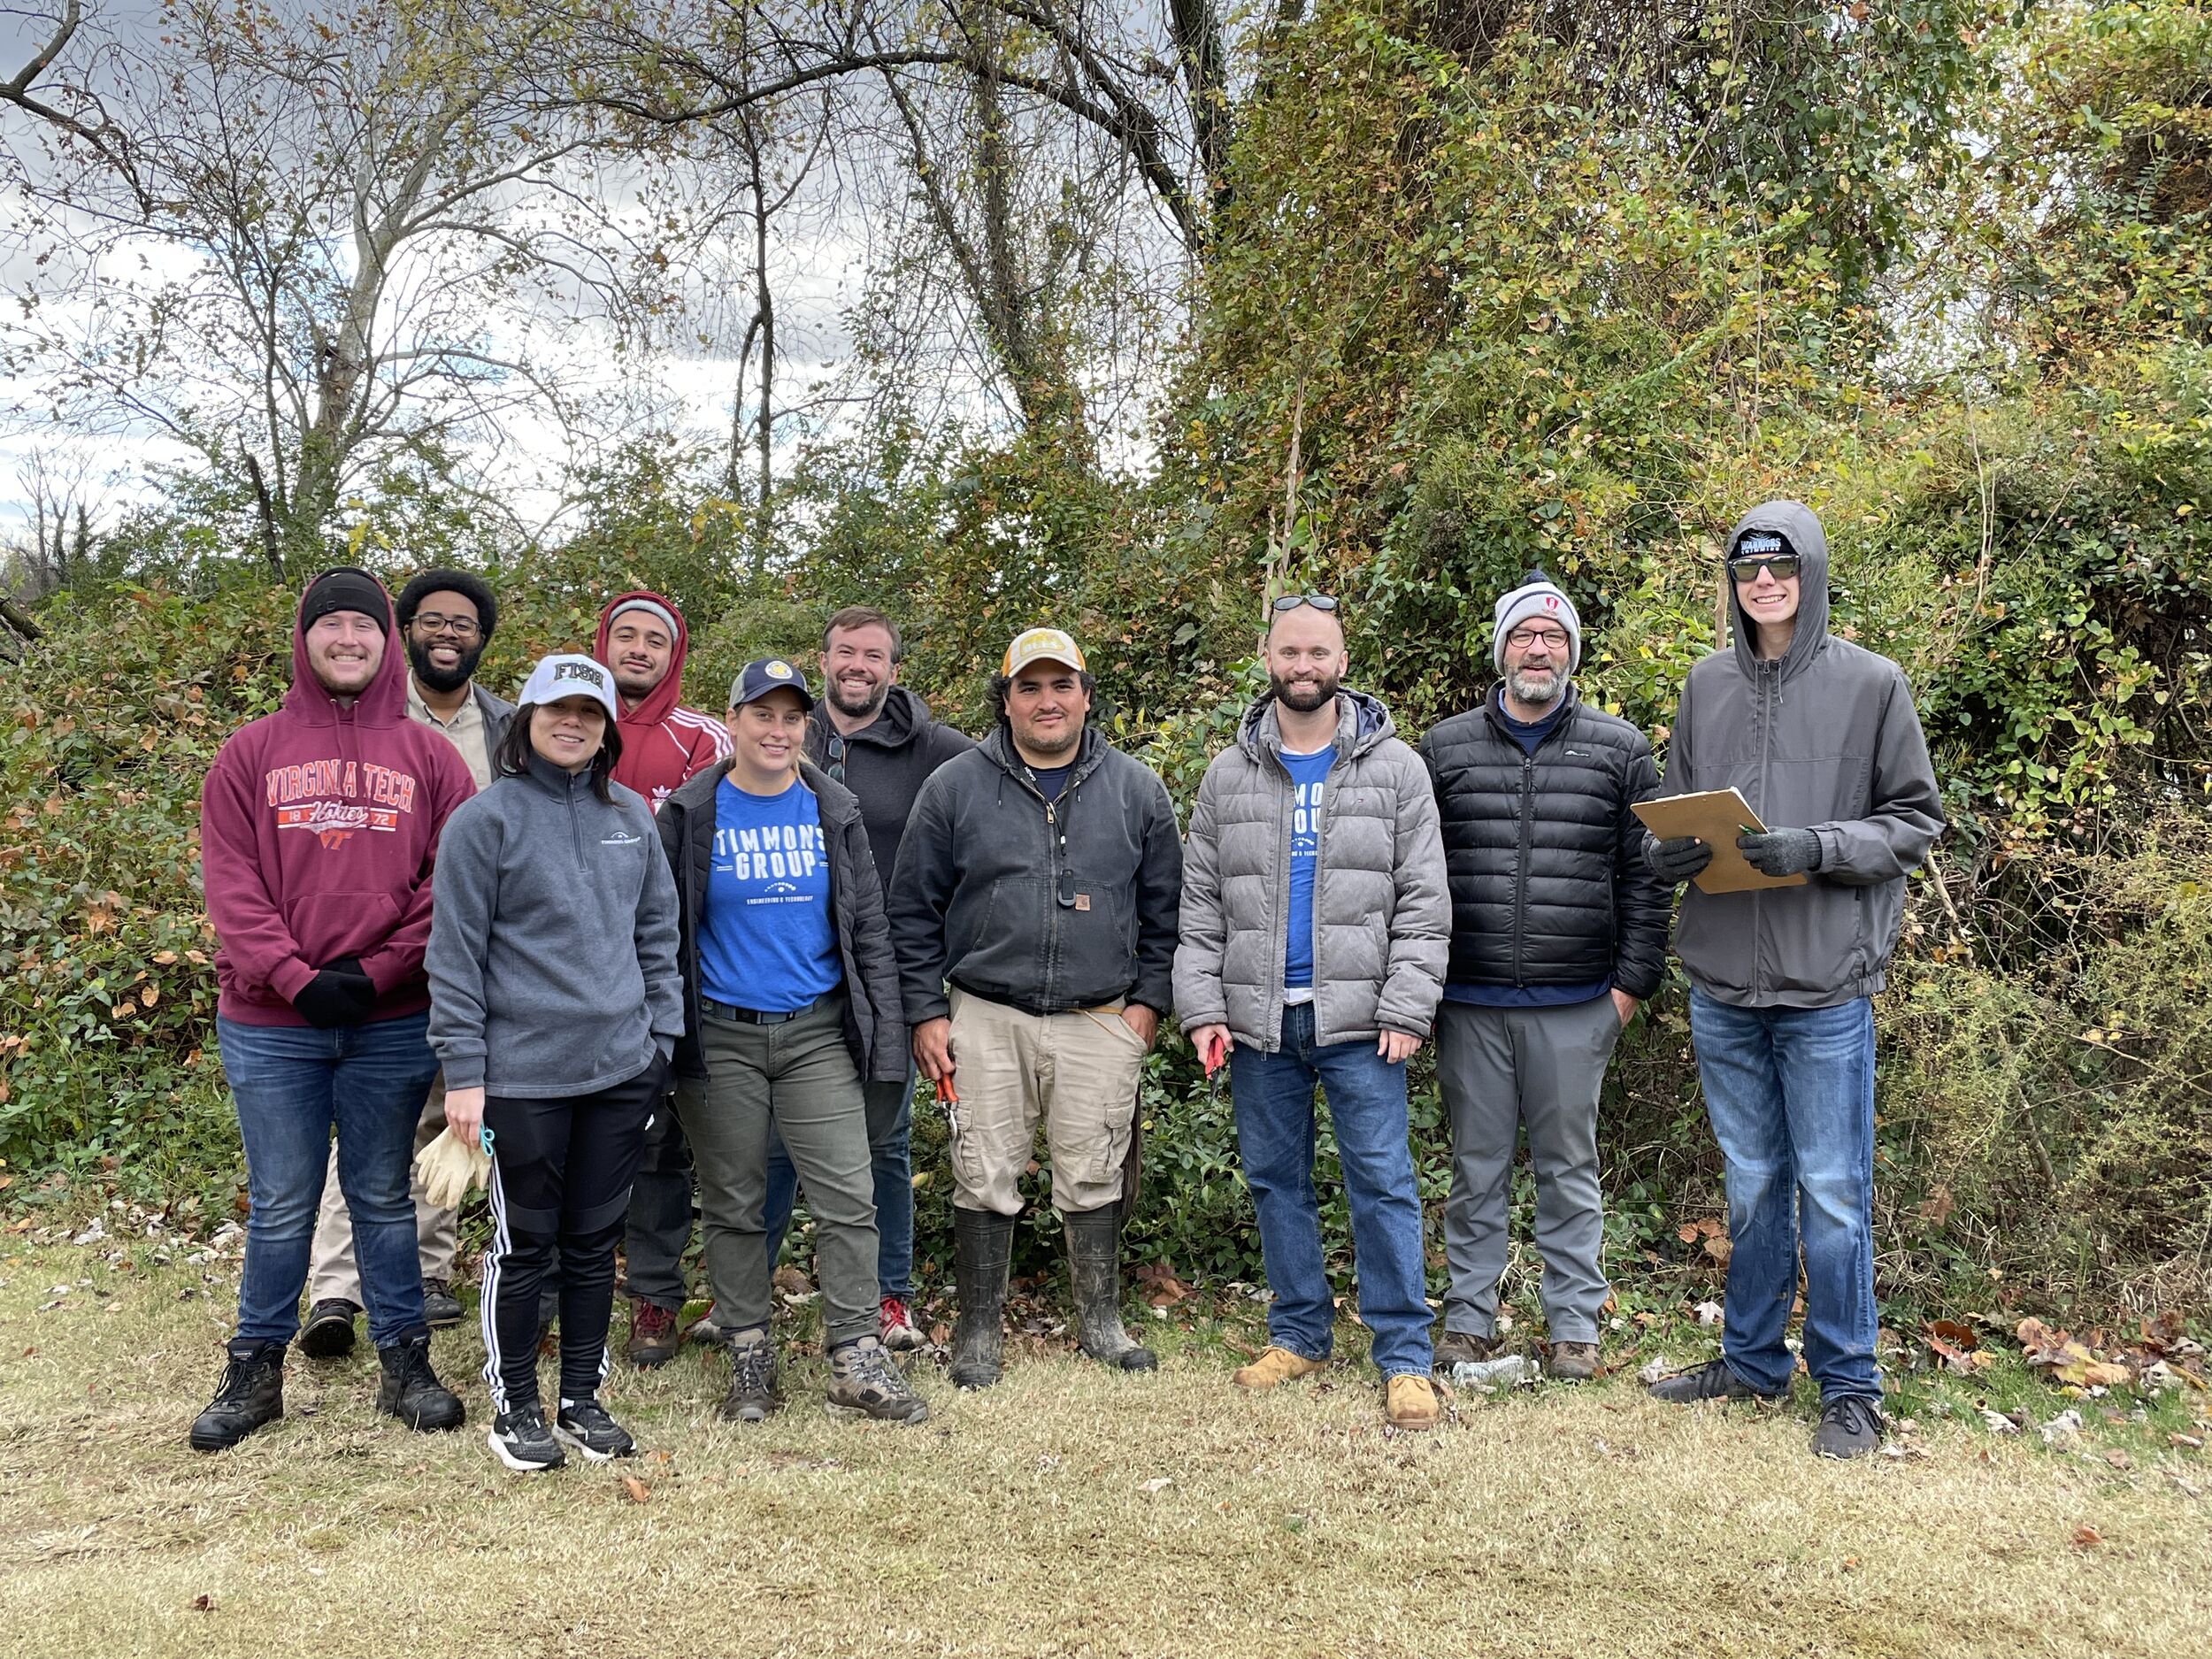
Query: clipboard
1716	817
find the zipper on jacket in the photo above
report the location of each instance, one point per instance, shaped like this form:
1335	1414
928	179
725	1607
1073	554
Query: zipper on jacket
1520	872
1768	687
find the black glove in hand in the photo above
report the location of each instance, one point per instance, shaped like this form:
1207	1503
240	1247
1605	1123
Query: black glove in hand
1783	852
1675	860
337	996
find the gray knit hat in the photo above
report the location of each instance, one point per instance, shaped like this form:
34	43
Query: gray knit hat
1538	597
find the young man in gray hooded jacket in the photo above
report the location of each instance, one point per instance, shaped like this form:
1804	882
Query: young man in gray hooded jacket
1821	739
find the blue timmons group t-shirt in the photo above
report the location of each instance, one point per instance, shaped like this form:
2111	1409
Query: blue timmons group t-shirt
765	938
1308	776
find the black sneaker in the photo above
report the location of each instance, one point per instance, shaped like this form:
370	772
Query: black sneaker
753	1391
1712	1381
1850	1427
411	1390
251	1394
328	1333
440	1307
585	1424
520	1440
862	1379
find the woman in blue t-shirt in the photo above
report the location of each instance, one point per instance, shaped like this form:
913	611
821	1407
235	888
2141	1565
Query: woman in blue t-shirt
791	998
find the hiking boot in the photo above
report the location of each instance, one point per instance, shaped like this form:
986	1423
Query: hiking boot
1850	1427
653	1340
1463	1347
585	1424
755	1390
411	1390
982	1247
1712	1381
1412	1402
328	1333
896	1326
1573	1361
440	1307
250	1394
1094	1278
1276	1365
863	1379
520	1440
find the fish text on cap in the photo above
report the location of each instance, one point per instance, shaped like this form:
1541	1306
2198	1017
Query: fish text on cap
589	672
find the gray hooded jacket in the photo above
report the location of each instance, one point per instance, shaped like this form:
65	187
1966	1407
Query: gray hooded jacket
1823	738
1382	915
552	956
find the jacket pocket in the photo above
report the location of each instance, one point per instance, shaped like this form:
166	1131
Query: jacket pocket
327	925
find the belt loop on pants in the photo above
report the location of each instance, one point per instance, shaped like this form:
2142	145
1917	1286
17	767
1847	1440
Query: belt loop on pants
712	1010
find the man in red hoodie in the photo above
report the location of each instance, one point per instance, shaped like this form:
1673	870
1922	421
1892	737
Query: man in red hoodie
318	825
642	638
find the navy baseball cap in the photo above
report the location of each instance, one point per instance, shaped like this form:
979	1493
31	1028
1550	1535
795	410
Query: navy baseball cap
766	674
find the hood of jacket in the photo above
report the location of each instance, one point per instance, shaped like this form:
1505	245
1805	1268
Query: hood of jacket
999	745
658	703
384	701
1362	722
1796	524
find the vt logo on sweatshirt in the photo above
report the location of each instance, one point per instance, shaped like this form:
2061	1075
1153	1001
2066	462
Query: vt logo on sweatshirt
306	796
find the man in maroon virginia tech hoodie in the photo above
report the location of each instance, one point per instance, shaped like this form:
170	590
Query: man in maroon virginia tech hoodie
319	826
644	640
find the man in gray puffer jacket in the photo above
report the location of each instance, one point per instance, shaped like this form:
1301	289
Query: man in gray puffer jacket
1315	929
1821	739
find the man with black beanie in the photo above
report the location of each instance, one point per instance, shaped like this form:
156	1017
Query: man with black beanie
319	831
446	618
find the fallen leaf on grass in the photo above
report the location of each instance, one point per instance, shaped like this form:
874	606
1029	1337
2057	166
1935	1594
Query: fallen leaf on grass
636	1490
2190	1443
1707	1313
1998	1423
1155	1484
203	1603
2087	1537
2118	1458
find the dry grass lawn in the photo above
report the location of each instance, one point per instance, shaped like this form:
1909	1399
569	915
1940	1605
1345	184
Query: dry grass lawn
1066	1512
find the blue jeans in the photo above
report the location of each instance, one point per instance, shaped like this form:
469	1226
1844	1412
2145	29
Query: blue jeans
1273	1095
292	1083
1791	1093
890	1126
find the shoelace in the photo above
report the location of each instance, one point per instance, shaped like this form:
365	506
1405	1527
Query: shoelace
753	1367
872	1368
1854	1413
238	1380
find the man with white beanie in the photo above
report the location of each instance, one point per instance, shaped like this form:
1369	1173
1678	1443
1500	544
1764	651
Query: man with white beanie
1559	932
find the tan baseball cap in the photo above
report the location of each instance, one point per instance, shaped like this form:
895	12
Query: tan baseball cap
1041	645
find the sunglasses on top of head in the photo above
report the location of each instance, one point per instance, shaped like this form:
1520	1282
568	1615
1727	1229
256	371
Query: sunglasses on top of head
1291	602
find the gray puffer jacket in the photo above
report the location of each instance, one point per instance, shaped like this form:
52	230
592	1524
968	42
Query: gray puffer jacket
1382	915
1823	738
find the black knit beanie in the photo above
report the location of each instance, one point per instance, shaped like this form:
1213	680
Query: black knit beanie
344	589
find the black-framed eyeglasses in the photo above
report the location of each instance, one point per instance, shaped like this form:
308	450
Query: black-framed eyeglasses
1747	568
431	622
834	752
1521	639
1291	602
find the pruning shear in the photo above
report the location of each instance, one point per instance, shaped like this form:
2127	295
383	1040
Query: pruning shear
949	1097
1213	1055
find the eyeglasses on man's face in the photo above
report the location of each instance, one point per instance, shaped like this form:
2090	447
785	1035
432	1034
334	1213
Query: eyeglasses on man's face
427	622
1526	639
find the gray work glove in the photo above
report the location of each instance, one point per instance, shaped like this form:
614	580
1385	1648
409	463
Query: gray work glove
1677	860
1782	852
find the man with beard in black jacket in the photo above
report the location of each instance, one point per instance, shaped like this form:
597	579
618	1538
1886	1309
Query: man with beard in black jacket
874	736
1559	932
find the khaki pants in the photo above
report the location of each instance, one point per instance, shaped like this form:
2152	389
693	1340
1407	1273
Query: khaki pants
332	1275
1077	1070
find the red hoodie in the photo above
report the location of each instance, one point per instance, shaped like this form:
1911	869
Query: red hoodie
663	745
318	825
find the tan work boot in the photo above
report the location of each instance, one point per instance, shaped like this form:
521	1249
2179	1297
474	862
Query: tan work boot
1573	1361
1413	1402
1276	1365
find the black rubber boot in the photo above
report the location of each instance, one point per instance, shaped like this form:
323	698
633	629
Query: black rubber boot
982	1250
1095	1276
411	1390
251	1394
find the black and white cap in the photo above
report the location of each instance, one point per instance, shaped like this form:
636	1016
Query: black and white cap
570	674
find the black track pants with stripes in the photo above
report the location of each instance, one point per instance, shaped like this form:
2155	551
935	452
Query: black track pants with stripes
560	1186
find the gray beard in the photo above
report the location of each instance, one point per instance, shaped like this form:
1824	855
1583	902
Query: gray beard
1518	685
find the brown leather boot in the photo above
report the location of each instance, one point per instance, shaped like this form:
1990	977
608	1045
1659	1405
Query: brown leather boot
653	1340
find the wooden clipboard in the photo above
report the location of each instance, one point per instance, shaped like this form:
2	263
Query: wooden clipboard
1716	817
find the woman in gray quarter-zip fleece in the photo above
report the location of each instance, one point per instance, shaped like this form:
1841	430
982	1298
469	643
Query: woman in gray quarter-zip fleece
556	1002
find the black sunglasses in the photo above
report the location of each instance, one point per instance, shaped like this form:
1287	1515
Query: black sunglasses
1291	602
834	753
1747	568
